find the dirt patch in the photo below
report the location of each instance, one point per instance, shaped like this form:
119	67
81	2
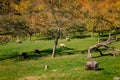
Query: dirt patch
33	77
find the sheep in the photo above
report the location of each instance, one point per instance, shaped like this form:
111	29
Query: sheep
23	55
63	46
67	39
116	78
91	65
18	41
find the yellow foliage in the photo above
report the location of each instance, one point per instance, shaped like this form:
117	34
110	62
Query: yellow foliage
118	5
21	7
40	7
14	6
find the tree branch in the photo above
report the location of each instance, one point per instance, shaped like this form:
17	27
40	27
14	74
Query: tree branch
104	44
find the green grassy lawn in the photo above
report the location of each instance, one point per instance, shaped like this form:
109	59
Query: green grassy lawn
69	64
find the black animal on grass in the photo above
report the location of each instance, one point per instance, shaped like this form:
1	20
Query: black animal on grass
37	51
23	55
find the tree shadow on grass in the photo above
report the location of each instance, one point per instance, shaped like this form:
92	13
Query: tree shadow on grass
118	39
33	55
108	54
100	69
59	51
84	51
9	56
48	52
80	36
104	39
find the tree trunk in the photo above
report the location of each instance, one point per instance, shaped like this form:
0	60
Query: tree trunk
98	37
60	35
92	34
96	47
109	34
102	33
103	44
30	36
18	38
55	45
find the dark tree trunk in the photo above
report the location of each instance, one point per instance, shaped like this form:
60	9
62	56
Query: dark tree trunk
30	36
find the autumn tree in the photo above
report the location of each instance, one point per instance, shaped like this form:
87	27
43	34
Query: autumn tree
96	19
59	14
5	7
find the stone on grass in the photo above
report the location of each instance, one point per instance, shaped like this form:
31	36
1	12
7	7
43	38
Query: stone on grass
91	65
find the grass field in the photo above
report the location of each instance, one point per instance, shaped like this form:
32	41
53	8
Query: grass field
69	64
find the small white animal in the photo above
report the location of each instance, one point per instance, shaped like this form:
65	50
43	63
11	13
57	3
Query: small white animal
63	46
67	39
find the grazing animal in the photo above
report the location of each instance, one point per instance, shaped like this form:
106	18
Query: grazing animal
23	55
91	65
18	41
36	51
63	46
67	39
116	78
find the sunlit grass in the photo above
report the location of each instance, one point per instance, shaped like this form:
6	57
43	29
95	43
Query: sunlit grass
64	66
